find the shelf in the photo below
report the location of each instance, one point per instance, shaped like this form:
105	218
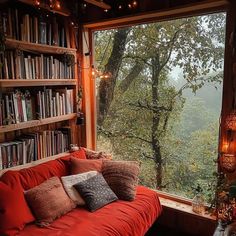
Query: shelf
34	123
38	48
34	163
6	83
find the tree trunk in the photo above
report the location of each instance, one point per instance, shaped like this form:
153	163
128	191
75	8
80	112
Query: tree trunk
107	86
156	121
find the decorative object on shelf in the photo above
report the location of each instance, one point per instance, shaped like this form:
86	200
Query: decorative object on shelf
198	201
74	147
69	59
80	114
80	118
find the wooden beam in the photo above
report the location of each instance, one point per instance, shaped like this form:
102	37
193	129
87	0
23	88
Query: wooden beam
98	3
171	13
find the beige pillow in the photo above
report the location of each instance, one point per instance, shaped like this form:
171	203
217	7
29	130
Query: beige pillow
70	180
49	201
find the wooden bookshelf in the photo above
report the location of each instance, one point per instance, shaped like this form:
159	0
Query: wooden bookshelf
37	78
11	83
37	48
34	163
34	123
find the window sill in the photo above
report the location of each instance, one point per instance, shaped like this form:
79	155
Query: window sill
182	205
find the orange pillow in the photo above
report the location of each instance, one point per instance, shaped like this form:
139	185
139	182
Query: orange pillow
14	212
80	166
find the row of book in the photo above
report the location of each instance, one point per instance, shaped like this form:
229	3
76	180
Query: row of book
55	102
18	106
35	29
33	147
19	65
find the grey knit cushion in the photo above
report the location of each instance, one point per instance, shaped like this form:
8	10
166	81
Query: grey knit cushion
122	177
95	192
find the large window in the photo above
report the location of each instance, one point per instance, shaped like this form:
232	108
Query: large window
159	90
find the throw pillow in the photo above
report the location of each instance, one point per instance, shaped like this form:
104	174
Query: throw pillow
49	201
90	154
122	177
70	180
14	212
80	154
96	192
79	166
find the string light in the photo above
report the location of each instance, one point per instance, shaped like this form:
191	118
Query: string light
37	3
98	74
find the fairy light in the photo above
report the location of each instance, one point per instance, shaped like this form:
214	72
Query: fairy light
134	4
37	3
58	5
120	7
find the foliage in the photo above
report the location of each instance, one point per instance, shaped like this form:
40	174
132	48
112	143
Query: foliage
151	119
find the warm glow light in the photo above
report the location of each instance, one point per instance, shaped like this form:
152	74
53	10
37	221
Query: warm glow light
225	147
58	5
129	5
135	3
37	2
120	7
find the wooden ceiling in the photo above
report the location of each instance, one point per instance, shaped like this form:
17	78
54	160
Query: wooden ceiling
97	10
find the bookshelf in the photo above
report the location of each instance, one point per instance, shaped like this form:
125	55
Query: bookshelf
11	83
38	84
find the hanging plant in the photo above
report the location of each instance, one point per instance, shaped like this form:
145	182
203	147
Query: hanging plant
69	59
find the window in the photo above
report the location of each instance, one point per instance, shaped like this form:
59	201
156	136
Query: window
159	90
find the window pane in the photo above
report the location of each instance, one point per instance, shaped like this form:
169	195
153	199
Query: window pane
159	89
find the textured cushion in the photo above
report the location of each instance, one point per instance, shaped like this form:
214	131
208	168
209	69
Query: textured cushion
14	212
90	154
70	180
80	166
96	192
49	201
122	177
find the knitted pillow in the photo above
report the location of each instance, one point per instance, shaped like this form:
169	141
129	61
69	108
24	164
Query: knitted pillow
122	177
49	201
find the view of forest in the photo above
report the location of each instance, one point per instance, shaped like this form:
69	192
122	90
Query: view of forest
159	89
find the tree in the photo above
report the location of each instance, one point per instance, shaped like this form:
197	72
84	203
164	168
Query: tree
149	52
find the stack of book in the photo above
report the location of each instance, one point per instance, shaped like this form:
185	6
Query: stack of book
16	107
21	65
35	29
34	147
55	102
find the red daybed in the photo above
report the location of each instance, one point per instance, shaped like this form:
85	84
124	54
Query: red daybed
120	218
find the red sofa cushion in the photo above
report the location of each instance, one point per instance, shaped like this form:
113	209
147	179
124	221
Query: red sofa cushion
115	219
79	154
81	166
14	212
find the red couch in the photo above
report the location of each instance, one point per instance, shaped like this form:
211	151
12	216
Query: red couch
120	218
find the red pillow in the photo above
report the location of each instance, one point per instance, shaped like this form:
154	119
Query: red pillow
14	212
80	166
79	154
